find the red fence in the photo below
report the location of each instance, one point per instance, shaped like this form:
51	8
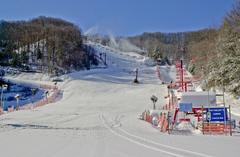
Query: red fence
47	100
215	128
162	121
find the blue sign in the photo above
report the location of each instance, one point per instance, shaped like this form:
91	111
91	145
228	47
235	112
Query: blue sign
185	107
217	114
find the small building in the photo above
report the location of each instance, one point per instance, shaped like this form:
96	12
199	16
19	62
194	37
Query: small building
199	99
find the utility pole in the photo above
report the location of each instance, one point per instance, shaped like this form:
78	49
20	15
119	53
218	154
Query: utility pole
182	84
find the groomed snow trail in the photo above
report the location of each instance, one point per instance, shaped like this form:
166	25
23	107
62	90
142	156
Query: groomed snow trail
97	117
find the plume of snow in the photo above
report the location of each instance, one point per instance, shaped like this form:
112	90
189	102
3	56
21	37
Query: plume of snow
123	44
92	30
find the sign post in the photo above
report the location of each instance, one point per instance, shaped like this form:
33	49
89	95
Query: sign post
154	100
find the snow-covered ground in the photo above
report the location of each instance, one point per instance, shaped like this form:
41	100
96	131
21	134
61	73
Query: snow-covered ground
97	117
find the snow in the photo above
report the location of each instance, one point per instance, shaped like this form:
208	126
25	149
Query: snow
235	104
97	117
187	129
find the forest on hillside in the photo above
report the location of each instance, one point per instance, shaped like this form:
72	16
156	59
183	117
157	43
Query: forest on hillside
188	46
54	44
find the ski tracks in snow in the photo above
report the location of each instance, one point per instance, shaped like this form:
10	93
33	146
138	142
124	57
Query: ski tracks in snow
146	143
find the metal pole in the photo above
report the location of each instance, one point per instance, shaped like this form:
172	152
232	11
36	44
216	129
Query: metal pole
224	105
202	122
2	97
182	74
208	91
169	96
17	104
136	73
172	97
105	58
230	119
168	119
208	110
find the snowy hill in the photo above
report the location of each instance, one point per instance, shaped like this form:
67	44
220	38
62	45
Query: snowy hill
97	117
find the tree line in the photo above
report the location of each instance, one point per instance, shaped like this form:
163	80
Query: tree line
54	43
224	69
180	45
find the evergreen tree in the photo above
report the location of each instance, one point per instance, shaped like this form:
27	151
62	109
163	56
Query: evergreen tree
225	69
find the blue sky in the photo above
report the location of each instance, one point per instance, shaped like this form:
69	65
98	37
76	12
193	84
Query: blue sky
123	17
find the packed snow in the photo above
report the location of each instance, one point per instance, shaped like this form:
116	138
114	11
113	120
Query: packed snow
97	117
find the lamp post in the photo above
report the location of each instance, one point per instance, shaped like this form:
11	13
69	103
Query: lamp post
4	86
17	96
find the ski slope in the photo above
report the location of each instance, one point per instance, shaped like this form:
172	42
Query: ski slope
97	117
